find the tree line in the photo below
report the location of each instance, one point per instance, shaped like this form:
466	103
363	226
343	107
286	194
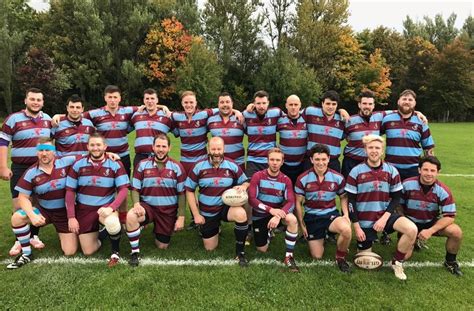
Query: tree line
286	47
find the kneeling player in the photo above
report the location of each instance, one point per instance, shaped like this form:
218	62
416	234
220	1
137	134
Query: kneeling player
95	188
158	196
213	176
46	180
424	199
272	199
316	191
374	190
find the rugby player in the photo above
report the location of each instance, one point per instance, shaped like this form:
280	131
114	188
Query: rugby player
95	188
316	190
72	133
148	123
47	180
226	125
430	205
213	176
22	130
374	188
273	200
293	138
406	136
158	196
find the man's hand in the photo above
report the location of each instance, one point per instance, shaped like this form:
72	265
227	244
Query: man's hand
240	188
199	220
344	115
304	230
179	224
37	220
138	210
278	212
425	235
56	119
105	211
5	173
112	156
380	224
141	108
250	107
360	234
274	222
73	225
422	117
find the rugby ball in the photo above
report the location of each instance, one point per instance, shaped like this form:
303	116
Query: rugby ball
368	260
112	224
232	197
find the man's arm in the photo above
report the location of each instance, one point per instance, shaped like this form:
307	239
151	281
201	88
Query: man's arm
25	204
441	224
5	172
299	214
191	198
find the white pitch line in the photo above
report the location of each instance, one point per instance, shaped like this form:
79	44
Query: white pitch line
222	262
457	175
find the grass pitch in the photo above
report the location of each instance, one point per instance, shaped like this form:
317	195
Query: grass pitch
209	280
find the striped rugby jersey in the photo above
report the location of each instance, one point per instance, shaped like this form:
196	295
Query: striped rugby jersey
358	127
95	184
113	128
293	139
212	183
267	192
147	126
261	133
23	132
232	132
50	189
320	197
373	188
159	187
324	131
405	140
71	137
423	207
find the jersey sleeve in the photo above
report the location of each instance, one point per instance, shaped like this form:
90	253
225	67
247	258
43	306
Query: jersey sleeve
121	176
427	141
72	176
290	199
181	178
137	178
8	129
299	186
25	183
395	181
447	205
351	182
191	182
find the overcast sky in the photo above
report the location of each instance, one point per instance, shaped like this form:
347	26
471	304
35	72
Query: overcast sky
389	13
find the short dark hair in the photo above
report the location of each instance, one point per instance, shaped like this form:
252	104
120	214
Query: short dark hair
408	92
319	148
150	91
162	135
430	159
96	135
223	94
261	94
74	98
332	95
33	90
366	93
111	89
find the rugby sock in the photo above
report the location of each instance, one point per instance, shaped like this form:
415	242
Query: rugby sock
23	235
134	238
290	241
115	242
34	230
399	256
240	231
450	257
102	233
341	255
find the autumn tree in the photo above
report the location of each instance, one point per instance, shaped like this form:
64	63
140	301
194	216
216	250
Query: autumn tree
165	48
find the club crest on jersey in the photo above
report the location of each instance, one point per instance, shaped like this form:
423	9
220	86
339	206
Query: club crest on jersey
279	193
376	126
46	123
53	184
318	119
23	123
392	123
198	123
107	172
226	173
362	176
122	117
415	127
332	187
67	131
269	121
63	173
337	124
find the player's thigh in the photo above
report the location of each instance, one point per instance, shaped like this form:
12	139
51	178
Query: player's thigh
89	243
405	226
340	225
69	243
236	214
453	230
316	248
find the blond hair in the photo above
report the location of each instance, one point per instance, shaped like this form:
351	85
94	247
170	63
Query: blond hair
367	139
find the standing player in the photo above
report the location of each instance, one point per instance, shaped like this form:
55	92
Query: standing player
95	188
213	176
316	191
148	123
226	125
158	196
374	189
293	138
406	136
22	129
326	127
273	200
430	205
47	180
72	133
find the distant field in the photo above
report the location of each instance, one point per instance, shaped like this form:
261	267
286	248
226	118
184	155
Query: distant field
210	281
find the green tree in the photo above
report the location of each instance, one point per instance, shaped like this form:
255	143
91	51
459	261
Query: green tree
451	83
282	75
317	31
467	33
232	30
201	73
279	18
